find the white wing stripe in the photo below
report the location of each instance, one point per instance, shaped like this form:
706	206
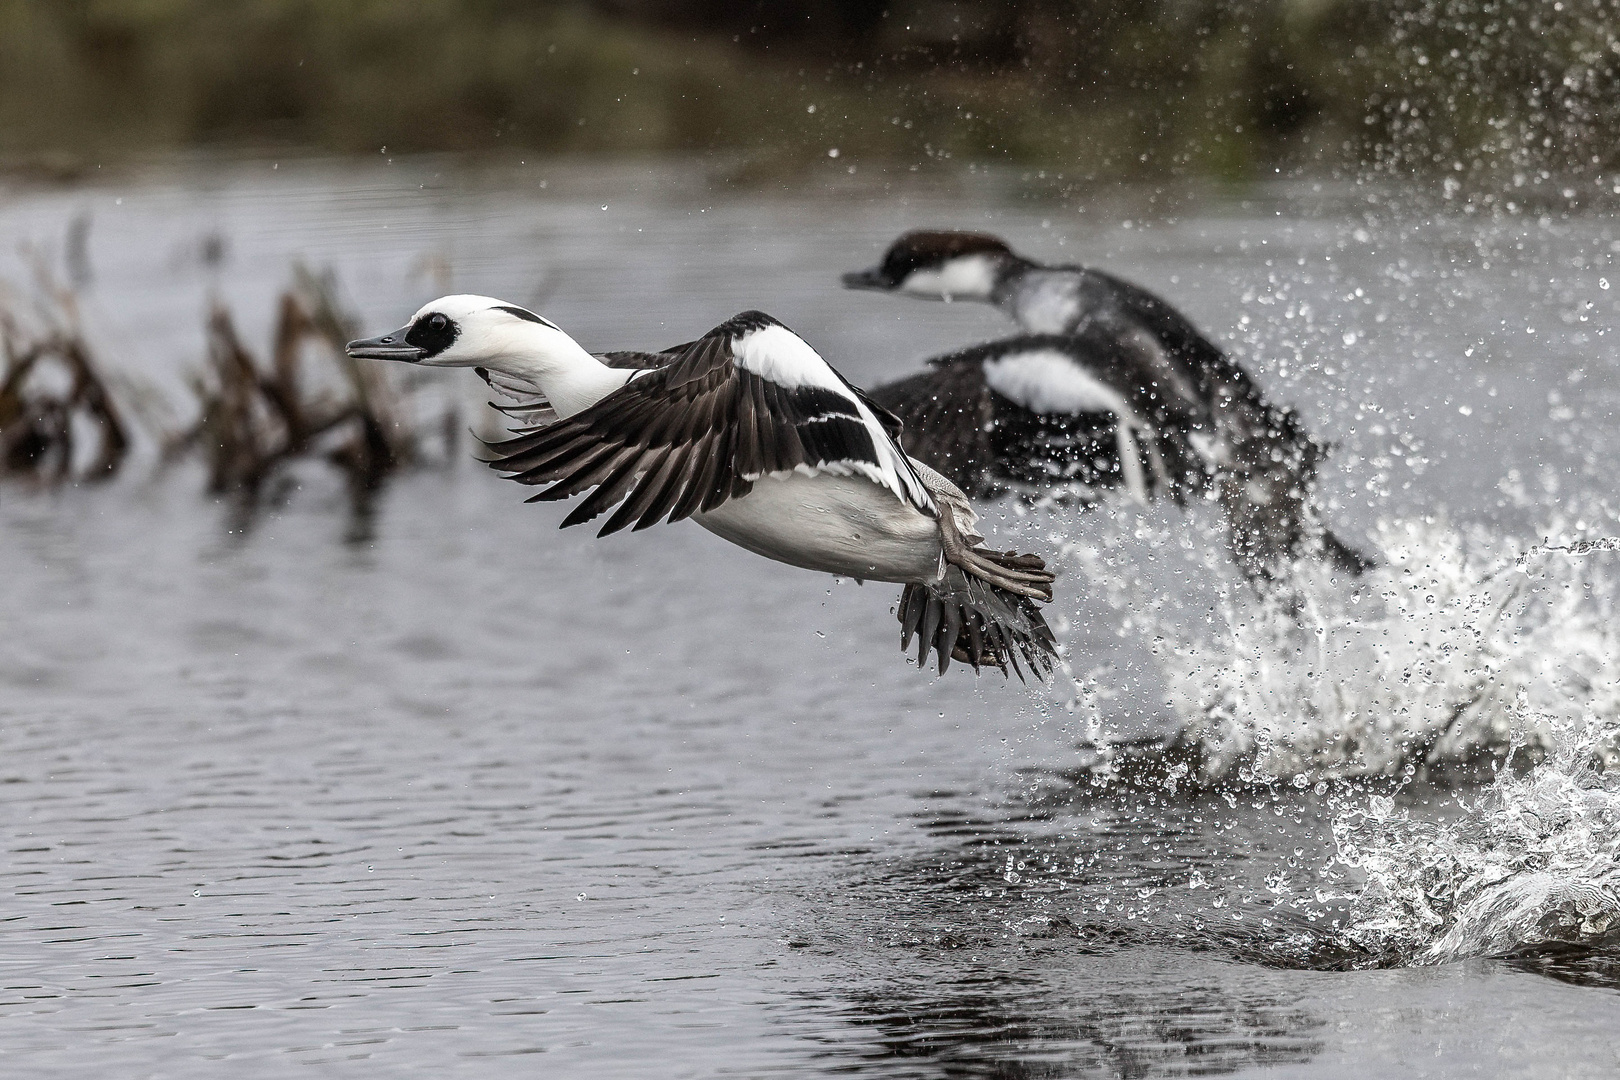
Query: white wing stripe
1047	381
777	354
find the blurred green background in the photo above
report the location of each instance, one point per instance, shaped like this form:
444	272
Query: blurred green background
1482	90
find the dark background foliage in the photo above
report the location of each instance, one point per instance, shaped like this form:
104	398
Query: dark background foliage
1099	88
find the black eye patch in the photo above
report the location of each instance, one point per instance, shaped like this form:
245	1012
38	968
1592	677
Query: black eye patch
433	333
899	263
526	315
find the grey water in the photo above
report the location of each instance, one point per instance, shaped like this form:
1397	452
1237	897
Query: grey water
463	794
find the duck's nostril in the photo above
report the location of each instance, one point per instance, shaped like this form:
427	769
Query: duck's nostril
388	341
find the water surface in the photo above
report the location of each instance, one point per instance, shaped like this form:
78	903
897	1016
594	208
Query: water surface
473	796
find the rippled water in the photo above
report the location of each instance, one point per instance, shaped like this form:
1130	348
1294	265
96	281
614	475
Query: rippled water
471	795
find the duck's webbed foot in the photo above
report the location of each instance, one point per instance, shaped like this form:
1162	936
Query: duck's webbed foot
1025	575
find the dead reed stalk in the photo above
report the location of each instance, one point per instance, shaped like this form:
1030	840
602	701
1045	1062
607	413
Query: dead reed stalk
49	387
256	418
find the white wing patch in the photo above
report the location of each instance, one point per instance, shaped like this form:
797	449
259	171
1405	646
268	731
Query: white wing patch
778	355
1047	381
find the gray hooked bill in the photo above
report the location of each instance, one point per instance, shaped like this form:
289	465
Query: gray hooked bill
387	347
866	279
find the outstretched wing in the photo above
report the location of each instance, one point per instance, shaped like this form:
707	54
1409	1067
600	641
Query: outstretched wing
1167	323
748	399
1159	333
1044	411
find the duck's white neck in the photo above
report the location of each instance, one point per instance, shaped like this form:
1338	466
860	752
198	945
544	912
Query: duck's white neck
571	378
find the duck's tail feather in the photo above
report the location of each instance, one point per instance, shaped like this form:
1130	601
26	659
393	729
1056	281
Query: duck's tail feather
982	609
963	618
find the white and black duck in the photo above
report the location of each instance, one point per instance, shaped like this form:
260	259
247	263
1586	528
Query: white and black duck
1049	416
751	434
1197	421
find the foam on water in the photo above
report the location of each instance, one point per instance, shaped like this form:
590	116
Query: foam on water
1466	655
1534	862
1461	644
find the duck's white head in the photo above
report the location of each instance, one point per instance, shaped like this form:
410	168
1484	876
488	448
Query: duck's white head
468	331
938	265
483	332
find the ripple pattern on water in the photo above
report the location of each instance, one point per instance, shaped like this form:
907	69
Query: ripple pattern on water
472	796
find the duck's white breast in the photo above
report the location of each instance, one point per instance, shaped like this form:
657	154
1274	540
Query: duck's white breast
843	525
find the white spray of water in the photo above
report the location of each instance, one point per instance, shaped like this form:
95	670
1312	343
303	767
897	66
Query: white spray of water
1463	648
1424	666
1535	861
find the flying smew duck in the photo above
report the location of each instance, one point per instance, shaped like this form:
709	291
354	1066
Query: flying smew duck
1110	386
751	434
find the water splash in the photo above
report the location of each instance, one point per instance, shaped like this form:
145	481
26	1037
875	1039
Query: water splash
1534	862
1462	645
1464	651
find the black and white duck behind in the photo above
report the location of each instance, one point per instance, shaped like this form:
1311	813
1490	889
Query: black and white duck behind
1029	412
750	433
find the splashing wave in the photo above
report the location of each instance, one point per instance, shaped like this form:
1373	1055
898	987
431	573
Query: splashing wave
1462	645
1466	656
1534	862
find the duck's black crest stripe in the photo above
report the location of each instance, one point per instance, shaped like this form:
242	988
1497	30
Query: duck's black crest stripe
525	314
687	434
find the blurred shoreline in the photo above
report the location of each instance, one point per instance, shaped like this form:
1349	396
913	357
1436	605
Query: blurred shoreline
1142	201
1092	93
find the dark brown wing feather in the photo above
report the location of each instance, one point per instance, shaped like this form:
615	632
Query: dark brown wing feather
946	415
692	432
641	361
985	443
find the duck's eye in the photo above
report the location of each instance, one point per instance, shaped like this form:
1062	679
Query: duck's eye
433	333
